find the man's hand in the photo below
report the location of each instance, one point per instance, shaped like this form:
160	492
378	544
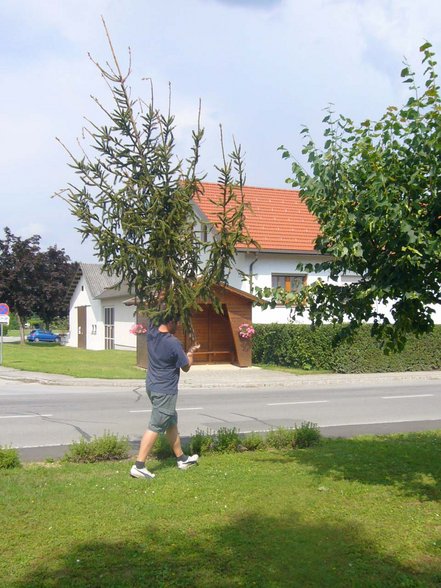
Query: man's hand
190	352
193	348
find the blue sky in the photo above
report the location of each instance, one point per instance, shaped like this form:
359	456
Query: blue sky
262	68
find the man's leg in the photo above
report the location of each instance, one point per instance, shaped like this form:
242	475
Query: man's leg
147	442
139	470
174	440
184	461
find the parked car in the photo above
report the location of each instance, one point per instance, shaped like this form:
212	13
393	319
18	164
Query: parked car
41	335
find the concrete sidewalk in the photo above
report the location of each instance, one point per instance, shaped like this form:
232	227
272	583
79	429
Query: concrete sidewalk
228	376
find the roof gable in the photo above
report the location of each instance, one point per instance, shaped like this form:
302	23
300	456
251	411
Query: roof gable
100	283
277	219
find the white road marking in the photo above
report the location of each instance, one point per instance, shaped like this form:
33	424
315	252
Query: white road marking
408	396
302	402
196	408
25	416
140	411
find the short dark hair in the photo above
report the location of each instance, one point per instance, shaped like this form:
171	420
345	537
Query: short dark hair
166	317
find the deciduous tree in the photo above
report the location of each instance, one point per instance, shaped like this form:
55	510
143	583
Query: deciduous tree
34	282
375	189
54	276
19	275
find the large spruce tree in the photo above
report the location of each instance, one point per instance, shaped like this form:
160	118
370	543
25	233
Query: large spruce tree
134	199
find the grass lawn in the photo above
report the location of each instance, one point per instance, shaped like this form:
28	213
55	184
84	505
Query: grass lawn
361	513
56	359
51	358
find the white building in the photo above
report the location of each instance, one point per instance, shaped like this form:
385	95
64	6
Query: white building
98	318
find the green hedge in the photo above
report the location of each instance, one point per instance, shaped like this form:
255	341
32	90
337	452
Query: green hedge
300	346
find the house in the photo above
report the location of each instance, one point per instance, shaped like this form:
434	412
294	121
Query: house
98	317
285	230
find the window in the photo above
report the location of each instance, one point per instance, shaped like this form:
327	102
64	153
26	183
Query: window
290	282
109	328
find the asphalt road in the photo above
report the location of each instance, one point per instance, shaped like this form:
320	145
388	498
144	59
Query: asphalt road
42	420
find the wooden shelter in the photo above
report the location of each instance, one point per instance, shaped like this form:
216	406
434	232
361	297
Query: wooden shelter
217	334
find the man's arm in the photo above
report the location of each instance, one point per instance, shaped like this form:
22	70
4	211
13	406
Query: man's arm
190	352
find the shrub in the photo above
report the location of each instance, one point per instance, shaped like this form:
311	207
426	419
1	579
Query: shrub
13	322
306	435
280	438
107	447
9	458
162	449
226	440
201	442
301	346
253	441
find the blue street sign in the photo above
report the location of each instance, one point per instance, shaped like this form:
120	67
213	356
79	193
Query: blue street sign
4	308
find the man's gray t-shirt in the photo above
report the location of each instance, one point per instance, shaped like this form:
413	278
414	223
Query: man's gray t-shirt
166	358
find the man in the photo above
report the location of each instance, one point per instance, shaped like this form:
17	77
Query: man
166	359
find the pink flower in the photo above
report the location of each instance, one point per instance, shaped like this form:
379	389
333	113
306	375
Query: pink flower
246	331
138	329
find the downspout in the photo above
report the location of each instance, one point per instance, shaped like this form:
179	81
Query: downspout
250	273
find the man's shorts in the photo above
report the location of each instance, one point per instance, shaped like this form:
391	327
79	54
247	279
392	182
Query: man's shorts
164	413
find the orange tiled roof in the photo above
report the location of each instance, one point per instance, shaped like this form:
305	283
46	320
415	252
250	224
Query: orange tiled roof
277	220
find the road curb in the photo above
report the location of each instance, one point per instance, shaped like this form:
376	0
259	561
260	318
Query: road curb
211	377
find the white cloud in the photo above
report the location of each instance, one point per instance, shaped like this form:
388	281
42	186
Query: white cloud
261	73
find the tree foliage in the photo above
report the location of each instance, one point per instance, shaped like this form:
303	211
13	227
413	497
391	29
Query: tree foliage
19	274
55	274
34	281
134	199
375	189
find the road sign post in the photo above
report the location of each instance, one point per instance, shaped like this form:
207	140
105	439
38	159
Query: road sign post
4	320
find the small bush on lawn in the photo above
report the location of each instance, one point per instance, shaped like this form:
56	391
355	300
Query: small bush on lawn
280	438
226	440
162	449
306	435
201	442
9	458
253	442
107	447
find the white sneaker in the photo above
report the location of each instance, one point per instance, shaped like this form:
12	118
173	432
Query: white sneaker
189	461
140	473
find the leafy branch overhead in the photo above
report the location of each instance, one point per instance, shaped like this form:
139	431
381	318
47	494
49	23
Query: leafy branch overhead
375	189
135	198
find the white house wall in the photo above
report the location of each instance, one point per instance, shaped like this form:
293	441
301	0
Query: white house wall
95	338
83	297
262	270
281	263
124	319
